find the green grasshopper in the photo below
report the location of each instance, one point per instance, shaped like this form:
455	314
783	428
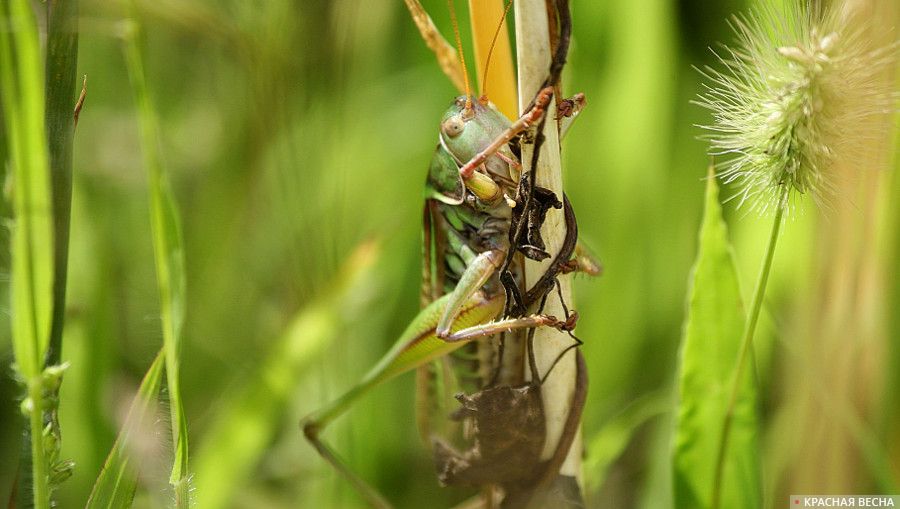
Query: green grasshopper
481	210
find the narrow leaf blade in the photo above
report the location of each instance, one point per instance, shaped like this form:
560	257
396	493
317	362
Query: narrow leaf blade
610	441
31	284
710	346
168	255
115	486
32	241
62	60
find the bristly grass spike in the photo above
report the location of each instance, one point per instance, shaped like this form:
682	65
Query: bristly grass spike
797	95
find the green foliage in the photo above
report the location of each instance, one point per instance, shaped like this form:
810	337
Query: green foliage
710	349
243	427
32	243
168	255
610	441
116	484
296	130
21	81
62	60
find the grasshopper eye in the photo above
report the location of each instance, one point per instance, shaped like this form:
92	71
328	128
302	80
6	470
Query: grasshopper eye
453	126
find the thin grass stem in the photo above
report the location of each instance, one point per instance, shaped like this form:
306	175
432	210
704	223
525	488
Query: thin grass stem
40	481
746	346
168	253
21	78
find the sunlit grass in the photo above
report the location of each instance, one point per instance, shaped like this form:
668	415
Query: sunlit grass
21	77
168	256
294	131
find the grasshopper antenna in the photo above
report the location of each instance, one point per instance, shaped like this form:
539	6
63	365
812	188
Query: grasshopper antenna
462	56
487	61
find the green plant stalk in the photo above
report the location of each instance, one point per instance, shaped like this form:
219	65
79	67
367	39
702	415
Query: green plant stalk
62	54
167	254
62	59
40	480
534	54
747	345
32	242
24	116
60	70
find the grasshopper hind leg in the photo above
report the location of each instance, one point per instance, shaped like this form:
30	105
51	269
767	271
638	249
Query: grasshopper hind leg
417	346
370	494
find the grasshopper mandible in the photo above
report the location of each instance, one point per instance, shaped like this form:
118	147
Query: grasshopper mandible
482	216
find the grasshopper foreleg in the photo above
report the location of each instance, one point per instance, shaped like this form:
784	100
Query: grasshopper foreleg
523	123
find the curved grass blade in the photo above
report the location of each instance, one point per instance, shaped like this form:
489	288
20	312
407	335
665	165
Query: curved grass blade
168	254
709	353
610	441
115	486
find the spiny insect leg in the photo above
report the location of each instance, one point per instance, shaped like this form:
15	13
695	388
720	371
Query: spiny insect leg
524	122
415	347
547	281
369	493
567	111
508	324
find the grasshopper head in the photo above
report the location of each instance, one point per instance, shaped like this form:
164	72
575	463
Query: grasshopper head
467	129
457	116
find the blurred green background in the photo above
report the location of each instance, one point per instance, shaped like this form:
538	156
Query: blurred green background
297	131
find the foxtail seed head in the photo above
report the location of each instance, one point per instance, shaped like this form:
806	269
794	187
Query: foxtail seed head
799	92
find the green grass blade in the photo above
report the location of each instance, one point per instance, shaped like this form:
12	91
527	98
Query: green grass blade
244	427
168	254
62	61
709	353
610	441
22	82
115	486
32	243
